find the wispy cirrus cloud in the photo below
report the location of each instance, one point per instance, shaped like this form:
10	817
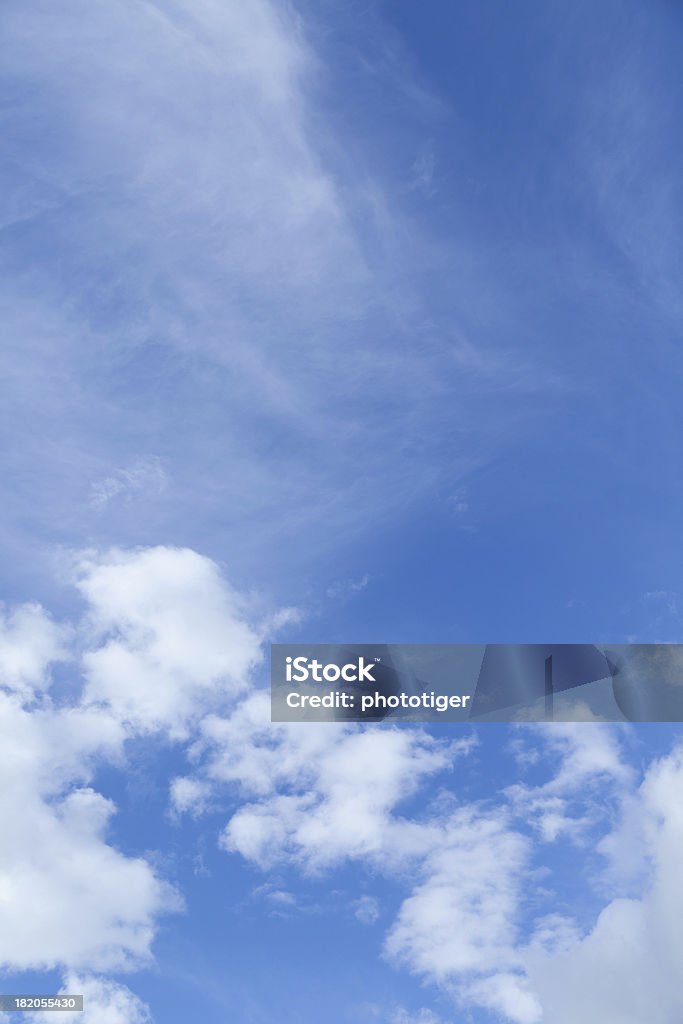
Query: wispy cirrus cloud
124	483
194	269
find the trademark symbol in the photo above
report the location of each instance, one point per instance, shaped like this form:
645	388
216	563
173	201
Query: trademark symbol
377	659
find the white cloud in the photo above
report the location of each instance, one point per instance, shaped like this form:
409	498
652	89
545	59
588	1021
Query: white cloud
461	917
104	1002
66	896
341	791
507	995
422	1016
30	642
143	475
170	637
189	796
626	968
588	760
347	588
366	909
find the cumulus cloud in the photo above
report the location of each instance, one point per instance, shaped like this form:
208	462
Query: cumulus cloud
30	642
66	896
188	795
170	637
104	1002
461	917
588	761
322	797
626	967
508	995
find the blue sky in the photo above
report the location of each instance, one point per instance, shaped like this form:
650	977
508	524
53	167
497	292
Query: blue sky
328	322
